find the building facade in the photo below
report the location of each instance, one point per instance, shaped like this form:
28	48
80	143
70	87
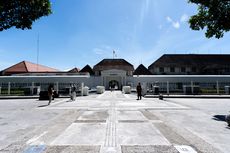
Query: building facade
113	72
171	73
191	64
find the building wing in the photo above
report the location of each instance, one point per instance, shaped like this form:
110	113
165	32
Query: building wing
27	67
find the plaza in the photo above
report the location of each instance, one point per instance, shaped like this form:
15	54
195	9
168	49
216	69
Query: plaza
114	122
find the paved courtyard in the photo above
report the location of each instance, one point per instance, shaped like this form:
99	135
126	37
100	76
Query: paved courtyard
113	123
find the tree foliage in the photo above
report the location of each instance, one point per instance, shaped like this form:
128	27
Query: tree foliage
213	15
22	13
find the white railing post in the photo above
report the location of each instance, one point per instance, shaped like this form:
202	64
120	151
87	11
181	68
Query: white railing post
32	89
9	88
167	87
192	90
82	86
57	88
217	87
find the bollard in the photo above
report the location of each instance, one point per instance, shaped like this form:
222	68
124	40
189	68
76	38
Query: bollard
161	97
227	118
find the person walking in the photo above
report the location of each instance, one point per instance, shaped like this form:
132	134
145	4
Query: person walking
73	93
139	90
50	93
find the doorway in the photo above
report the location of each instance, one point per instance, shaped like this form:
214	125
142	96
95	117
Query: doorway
114	84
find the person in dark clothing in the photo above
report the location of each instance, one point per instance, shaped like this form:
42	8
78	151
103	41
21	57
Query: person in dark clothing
50	93
73	93
139	90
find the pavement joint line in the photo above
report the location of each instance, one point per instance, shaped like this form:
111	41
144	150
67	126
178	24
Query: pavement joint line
132	121
32	140
90	121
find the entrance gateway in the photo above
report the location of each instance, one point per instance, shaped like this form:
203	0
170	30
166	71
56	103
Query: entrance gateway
113	77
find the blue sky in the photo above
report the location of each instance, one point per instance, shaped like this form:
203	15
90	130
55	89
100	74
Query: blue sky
81	32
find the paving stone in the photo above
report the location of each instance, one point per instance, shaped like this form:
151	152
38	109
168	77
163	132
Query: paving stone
82	134
149	115
94	115
139	134
148	149
72	149
90	121
130	115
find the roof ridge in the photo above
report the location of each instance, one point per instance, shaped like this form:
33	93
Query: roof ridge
25	65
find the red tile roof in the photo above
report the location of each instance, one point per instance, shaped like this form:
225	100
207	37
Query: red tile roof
27	67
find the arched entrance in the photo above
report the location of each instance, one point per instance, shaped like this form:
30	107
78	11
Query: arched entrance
116	77
114	84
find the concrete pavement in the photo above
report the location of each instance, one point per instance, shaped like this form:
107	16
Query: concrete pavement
114	122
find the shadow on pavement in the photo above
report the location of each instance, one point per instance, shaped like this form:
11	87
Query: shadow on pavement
219	118
43	105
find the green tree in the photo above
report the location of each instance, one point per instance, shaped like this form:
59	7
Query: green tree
22	13
213	15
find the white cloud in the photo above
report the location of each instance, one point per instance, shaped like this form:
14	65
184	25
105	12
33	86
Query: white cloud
169	19
184	18
175	24
98	51
106	51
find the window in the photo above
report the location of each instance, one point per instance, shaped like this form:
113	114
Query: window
193	69
172	69
227	69
161	69
129	73
182	69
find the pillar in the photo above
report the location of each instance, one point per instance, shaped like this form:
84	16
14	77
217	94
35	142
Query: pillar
167	87
57	87
217	87
32	89
82	86
9	88
192	90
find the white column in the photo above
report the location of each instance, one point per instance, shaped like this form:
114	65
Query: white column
70	90
105	82
82	86
57	87
217	87
102	83
167	87
192	87
32	88
8	88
